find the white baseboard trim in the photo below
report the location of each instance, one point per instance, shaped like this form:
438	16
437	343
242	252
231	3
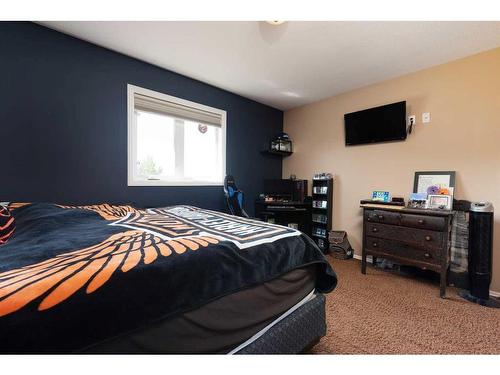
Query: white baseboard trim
370	260
494	294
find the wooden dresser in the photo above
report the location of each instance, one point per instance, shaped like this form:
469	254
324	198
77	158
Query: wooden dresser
414	237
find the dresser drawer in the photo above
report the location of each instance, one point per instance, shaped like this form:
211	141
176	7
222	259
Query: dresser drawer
416	237
423	222
402	251
387	217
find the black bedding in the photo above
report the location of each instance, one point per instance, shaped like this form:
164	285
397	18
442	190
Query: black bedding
71	277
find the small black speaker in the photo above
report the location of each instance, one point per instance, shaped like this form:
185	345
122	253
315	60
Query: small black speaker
480	254
299	190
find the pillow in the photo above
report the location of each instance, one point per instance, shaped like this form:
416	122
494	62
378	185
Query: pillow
7	224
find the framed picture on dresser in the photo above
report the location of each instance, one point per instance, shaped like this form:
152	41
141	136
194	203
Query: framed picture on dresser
424	181
444	202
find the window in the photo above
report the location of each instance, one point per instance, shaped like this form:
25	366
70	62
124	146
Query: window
174	142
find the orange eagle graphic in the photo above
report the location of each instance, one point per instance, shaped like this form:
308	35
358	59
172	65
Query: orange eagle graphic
90	268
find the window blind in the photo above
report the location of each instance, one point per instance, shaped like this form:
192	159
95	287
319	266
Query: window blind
147	103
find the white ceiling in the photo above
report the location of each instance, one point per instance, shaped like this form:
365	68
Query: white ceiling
292	64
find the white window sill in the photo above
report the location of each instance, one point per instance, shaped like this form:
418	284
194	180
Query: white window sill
173	183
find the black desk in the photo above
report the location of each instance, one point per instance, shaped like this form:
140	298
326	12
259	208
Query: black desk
285	212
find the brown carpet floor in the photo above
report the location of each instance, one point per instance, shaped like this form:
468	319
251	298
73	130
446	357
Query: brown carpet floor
386	313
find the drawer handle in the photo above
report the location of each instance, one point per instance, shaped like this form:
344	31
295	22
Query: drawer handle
427	255
381	217
421	221
374	244
374	230
428	238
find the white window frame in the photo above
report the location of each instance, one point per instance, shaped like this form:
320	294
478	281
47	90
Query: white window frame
132	141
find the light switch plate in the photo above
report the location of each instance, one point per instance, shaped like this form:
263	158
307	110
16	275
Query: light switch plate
426	117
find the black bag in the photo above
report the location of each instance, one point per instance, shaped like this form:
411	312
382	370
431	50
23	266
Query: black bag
339	244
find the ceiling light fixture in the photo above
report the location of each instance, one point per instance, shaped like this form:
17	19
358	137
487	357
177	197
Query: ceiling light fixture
275	23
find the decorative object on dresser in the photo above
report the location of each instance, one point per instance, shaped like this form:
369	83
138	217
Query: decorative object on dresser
439	201
434	180
322	204
380	195
413	237
433	190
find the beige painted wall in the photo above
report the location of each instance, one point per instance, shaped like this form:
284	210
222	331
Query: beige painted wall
463	98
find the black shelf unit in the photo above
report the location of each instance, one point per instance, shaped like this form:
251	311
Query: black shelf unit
322	208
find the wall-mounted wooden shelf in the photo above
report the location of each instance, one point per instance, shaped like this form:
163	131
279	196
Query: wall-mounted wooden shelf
277	153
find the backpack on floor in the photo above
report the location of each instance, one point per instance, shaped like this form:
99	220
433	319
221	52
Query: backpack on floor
339	244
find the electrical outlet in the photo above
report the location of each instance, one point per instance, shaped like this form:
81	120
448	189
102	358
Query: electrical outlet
426	118
412	120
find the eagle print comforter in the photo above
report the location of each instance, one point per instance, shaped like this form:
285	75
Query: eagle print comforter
73	276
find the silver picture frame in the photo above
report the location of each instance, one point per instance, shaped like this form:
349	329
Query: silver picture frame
439	202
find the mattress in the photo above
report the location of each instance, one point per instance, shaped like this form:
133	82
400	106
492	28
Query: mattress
221	325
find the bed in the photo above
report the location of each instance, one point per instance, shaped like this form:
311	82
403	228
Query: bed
179	279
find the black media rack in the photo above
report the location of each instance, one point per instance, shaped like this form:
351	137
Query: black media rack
322	208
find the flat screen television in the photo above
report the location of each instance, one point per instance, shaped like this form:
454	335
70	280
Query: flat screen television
379	124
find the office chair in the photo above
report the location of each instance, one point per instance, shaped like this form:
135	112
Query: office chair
234	197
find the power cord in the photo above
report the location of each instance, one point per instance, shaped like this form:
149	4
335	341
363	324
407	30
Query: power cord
411	125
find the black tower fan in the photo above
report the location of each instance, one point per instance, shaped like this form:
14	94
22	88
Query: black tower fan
480	254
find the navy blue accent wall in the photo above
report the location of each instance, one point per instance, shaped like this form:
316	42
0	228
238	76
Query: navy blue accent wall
63	124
